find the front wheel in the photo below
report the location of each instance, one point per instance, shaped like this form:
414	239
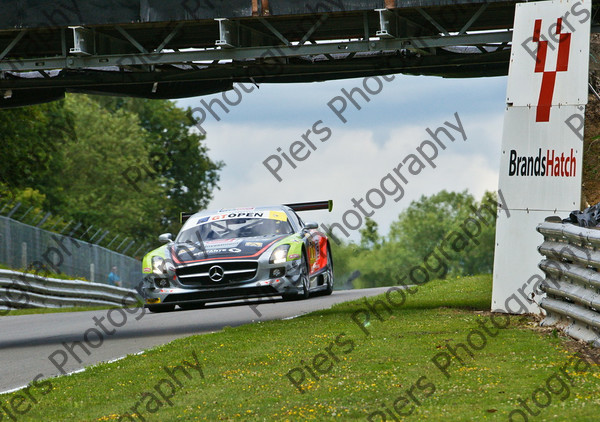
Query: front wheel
305	286
329	289
304	277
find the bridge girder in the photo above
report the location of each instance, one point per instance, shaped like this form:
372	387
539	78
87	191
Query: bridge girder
204	56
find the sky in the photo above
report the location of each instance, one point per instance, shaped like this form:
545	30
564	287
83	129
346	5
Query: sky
349	159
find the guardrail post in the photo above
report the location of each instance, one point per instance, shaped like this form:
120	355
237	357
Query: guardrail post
24	255
92	272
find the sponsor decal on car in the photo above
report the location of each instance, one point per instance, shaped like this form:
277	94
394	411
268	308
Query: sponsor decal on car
237	215
222	243
232	250
147	270
254	244
278	215
293	256
273	215
236	209
213	242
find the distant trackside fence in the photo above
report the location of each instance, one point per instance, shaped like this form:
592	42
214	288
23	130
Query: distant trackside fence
27	247
572	283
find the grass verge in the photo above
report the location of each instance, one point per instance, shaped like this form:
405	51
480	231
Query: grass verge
44	273
386	365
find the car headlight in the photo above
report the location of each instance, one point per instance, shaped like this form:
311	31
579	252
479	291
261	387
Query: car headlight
158	266
279	255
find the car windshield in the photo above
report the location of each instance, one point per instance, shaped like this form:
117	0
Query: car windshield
235	228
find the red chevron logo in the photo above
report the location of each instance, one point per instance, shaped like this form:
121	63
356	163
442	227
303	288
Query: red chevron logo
549	76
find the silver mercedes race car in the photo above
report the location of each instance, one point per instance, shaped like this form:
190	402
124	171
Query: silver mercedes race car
239	253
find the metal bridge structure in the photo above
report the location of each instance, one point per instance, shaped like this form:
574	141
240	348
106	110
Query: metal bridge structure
174	49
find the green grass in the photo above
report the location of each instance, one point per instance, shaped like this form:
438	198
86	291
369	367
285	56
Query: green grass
45	273
245	369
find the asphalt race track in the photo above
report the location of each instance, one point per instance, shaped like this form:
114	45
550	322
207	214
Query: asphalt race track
29	342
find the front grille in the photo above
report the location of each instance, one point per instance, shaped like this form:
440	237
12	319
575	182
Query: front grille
233	272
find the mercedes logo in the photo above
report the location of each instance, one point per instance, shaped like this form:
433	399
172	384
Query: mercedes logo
216	273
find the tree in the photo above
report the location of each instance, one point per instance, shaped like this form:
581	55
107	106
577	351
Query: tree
92	186
177	154
126	165
369	238
343	260
479	258
32	143
419	230
425	222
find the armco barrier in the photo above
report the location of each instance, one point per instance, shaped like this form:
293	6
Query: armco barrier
23	290
23	246
572	283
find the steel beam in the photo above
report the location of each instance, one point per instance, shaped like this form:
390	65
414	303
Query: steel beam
432	21
132	40
250	53
12	44
169	37
316	26
228	33
387	24
473	19
83	41
275	31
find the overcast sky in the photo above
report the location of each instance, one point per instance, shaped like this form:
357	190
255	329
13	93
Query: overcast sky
360	152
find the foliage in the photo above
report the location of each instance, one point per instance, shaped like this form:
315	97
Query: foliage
32	145
369	238
73	157
42	272
421	229
176	153
94	190
343	261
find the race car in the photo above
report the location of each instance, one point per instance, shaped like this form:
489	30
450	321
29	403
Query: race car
239	253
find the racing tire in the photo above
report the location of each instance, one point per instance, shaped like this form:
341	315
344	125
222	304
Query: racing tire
161	308
305	282
305	288
329	289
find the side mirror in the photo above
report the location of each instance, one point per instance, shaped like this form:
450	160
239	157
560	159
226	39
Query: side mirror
311	225
165	238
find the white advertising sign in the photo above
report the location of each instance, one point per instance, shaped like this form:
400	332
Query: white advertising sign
541	164
542	142
550	55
